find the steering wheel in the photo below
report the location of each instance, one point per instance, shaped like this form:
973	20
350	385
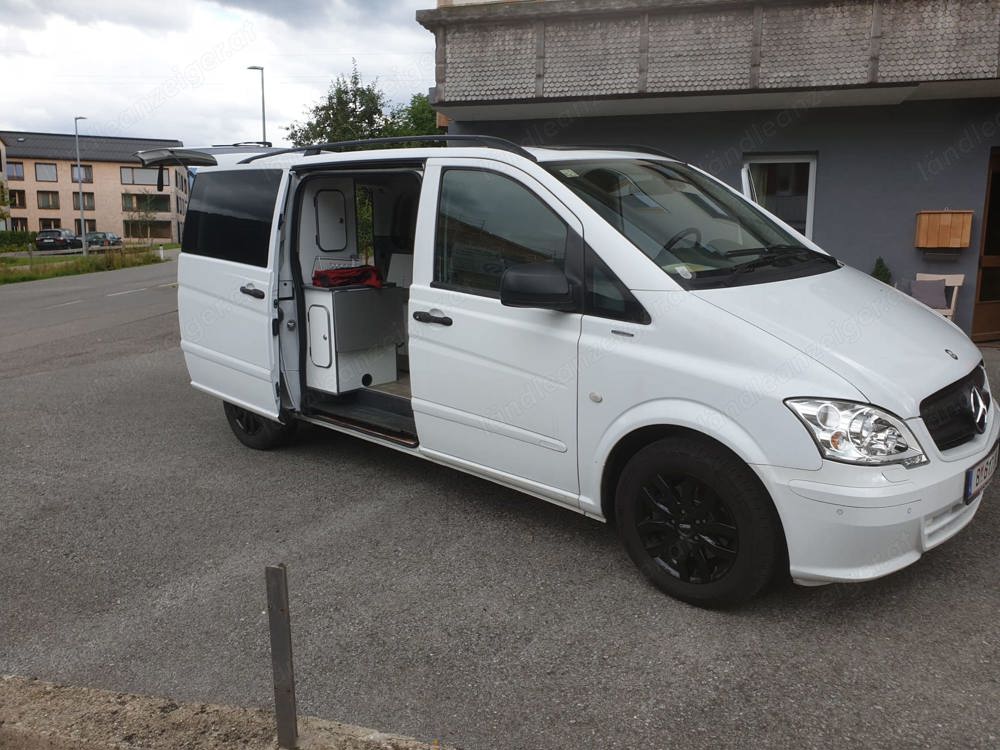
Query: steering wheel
681	235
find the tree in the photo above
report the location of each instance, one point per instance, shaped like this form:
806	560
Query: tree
881	271
4	202
415	118
353	110
139	217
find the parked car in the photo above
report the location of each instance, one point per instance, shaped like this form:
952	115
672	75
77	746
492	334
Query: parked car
57	239
611	330
103	239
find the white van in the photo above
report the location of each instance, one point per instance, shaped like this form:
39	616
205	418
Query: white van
610	330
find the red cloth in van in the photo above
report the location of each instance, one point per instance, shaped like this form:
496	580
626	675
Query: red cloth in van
355	276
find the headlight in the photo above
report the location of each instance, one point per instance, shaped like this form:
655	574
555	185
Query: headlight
857	433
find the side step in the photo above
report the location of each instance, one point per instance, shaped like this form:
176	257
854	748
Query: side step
369	412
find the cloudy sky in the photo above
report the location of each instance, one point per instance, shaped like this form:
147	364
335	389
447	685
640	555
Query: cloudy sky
177	68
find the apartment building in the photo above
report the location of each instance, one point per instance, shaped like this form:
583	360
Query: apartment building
873	126
118	195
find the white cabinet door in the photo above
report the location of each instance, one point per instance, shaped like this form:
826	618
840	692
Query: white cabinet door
494	388
226	287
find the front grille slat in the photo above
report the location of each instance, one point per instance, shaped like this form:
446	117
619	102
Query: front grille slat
948	413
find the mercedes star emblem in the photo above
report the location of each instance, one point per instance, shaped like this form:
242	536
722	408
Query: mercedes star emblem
978	410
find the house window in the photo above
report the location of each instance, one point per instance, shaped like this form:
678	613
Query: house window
785	185
138	176
145	202
486	223
18	224
88	173
48	199
91	226
88	201
44	224
46	173
159	230
18	199
15	171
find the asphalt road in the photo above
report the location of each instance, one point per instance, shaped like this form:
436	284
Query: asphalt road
135	529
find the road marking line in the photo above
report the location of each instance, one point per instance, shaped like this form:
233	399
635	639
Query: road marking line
130	291
63	304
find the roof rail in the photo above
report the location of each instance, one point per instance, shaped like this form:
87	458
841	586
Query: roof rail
614	147
265	144
488	141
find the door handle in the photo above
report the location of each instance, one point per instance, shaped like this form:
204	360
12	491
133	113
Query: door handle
422	316
253	291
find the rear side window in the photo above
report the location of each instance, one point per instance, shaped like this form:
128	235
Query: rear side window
229	215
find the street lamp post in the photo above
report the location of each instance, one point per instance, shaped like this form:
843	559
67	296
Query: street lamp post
79	178
263	117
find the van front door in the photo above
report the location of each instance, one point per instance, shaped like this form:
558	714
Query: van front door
226	286
494	388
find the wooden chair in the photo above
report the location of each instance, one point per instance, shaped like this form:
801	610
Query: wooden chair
952	282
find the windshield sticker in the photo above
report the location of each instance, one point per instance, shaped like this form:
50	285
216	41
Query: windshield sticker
569	172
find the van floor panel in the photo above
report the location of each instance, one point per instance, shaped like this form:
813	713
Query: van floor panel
380	413
400	387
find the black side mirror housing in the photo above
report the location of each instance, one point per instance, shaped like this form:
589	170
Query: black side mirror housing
538	285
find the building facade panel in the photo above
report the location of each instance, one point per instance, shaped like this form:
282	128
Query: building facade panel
824	45
599	56
937	40
495	63
644	47
684	51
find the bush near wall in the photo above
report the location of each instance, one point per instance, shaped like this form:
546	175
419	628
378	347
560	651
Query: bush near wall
16	240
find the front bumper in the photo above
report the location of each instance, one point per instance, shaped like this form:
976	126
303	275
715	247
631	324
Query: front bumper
856	523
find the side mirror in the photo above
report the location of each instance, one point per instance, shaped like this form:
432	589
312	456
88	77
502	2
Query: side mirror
539	285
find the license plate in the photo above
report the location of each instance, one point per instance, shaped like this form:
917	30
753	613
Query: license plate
980	475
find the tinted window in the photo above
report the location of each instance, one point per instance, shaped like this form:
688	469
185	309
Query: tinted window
229	216
607	296
487	223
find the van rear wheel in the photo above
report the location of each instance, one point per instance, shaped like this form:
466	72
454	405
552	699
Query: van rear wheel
697	522
255	431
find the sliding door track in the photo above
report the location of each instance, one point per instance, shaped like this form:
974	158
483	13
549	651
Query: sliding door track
368	412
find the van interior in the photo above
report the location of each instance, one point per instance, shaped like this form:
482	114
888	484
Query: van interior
353	347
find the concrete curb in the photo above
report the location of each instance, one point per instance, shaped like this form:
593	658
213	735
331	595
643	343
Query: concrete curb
36	715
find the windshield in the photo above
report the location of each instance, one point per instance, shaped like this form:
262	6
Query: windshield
690	226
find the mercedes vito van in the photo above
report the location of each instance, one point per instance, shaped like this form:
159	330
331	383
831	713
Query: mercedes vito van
608	329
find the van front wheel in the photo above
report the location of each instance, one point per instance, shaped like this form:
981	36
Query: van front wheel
255	431
697	522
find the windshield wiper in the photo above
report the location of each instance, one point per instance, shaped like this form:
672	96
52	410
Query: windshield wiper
771	255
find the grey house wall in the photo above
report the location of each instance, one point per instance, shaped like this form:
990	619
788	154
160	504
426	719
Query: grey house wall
876	166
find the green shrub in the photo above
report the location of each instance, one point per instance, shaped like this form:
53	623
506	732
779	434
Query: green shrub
881	271
10	241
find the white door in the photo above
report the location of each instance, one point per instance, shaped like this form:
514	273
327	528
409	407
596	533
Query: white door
494	388
227	286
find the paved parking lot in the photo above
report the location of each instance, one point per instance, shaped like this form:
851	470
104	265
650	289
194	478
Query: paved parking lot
135	529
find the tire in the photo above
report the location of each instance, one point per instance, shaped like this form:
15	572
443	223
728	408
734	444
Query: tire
258	432
698	522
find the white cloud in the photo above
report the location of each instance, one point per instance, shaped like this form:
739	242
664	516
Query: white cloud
135	73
